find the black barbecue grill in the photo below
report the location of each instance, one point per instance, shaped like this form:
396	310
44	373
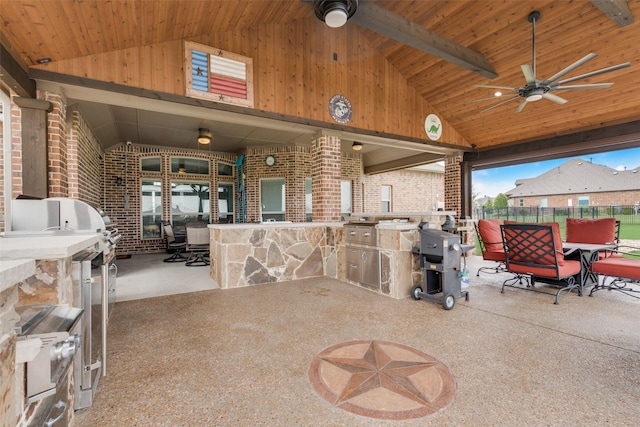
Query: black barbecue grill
440	256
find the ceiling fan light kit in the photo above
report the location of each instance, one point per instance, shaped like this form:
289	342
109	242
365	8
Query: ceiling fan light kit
535	90
356	146
335	13
204	136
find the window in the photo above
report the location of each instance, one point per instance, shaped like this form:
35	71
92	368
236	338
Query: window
521	202
151	202
308	207
386	198
189	202
225	203
225	169
544	203
272	199
185	165
150	164
217	75
583	200
345	198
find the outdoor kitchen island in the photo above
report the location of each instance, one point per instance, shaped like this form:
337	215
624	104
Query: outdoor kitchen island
257	253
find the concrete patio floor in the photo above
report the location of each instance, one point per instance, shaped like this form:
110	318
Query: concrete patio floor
241	357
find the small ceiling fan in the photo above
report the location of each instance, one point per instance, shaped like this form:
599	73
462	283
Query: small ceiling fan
535	90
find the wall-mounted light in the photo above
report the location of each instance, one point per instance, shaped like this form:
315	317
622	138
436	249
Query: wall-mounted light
335	13
204	136
118	180
356	146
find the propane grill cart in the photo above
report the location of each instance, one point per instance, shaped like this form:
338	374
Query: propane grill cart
440	255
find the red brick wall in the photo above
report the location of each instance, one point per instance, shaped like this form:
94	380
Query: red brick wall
57	145
411	191
85	166
452	184
326	177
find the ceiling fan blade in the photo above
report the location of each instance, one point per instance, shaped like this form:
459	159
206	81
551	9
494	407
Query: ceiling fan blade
595	73
589	86
555	98
521	106
570	68
500	103
498	87
528	73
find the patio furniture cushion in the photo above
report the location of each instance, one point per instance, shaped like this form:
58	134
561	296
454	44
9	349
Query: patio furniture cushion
489	230
569	268
585	230
618	266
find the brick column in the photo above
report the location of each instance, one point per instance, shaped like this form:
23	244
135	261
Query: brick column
453	185
325	178
57	145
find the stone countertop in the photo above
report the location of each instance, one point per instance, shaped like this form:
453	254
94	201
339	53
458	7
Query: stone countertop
13	271
45	247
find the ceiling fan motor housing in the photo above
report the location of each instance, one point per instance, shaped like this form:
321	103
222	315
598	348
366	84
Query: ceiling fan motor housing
324	7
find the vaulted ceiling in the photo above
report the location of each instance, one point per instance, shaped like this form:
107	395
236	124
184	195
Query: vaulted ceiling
496	31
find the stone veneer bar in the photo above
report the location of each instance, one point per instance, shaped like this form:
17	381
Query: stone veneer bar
258	253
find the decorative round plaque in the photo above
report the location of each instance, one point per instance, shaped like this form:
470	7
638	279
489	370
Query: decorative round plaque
340	109
433	127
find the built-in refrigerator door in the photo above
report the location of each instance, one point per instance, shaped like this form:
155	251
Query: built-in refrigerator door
87	290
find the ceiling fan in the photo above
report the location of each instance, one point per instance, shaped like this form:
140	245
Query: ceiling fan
535	90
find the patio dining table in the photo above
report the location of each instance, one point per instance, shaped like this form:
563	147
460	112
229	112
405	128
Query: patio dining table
587	254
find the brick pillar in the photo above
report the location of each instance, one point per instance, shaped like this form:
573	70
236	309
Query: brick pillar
453	185
57	145
325	178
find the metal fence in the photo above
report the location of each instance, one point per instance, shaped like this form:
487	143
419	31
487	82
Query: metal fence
627	214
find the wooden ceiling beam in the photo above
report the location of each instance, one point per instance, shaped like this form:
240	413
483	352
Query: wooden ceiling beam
384	22
617	10
14	76
407	162
610	138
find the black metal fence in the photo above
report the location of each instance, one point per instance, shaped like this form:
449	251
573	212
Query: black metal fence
627	214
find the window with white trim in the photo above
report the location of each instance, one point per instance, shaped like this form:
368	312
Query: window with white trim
272	199
151	208
345	199
386	198
190	201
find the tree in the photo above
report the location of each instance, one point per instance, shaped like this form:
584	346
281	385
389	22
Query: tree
488	204
500	201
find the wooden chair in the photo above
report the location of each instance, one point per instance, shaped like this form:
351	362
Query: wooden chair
197	244
490	238
536	250
177	245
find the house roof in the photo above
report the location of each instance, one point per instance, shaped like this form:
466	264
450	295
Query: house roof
577	176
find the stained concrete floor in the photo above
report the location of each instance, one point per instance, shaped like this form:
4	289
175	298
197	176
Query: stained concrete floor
241	357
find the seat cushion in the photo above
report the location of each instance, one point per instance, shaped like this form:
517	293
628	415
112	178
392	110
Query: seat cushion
493	256
489	230
618	266
569	268
597	231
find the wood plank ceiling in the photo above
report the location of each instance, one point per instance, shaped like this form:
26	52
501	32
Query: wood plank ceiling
498	30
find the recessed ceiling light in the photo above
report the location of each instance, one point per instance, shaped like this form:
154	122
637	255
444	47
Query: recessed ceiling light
497	94
43	60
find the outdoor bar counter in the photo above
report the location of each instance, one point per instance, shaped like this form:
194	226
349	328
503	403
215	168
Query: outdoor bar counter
257	253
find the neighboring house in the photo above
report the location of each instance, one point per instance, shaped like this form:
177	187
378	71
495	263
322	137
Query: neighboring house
577	183
481	201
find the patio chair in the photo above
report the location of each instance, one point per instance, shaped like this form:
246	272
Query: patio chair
197	244
490	238
622	271
594	230
536	250
175	244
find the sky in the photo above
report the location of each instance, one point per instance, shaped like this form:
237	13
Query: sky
491	182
